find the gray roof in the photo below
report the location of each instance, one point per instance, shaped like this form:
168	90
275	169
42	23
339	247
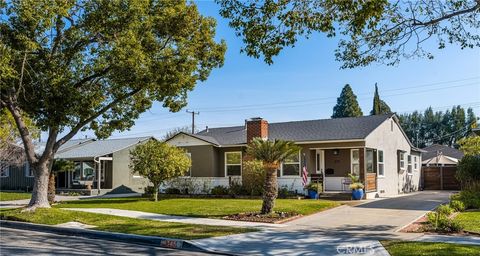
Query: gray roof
348	128
99	147
40	146
431	152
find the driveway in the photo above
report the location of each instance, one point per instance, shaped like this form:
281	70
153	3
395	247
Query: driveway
331	231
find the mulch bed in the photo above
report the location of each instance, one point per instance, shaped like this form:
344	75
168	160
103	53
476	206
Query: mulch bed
276	217
419	226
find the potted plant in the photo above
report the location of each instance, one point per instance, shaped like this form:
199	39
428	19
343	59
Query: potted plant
356	187
313	189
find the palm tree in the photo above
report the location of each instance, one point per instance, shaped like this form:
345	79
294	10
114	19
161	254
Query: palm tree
271	153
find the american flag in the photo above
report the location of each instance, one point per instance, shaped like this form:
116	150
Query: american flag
304	173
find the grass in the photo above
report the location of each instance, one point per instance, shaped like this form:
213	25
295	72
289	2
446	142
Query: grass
209	208
121	224
9	196
469	220
401	248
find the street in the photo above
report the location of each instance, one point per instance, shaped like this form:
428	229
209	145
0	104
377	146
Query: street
20	242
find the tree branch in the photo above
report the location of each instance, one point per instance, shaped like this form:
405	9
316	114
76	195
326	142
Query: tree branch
91	77
448	16
81	124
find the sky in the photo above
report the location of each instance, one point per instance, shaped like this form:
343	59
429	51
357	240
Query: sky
304	82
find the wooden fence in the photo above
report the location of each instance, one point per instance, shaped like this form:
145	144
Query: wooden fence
440	178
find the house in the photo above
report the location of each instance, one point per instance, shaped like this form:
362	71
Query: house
373	147
441	155
104	160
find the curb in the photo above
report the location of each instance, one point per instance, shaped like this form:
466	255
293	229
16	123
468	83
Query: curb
163	242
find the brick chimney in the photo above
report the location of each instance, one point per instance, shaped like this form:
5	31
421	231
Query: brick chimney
256	127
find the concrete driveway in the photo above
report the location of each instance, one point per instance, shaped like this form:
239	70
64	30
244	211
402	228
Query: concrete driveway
333	231
387	214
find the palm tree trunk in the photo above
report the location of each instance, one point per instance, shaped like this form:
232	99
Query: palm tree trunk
271	188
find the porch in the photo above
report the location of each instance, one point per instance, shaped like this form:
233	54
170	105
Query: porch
84	178
332	166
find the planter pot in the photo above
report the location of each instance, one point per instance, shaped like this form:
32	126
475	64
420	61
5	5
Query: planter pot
312	194
357	194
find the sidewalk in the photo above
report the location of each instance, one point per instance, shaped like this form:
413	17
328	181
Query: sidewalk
181	219
468	240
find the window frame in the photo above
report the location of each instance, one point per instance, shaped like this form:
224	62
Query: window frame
356	162
226	164
402	161
380	163
4	168
299	163
409	165
415	163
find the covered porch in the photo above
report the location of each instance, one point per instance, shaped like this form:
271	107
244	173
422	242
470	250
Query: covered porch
85	177
332	166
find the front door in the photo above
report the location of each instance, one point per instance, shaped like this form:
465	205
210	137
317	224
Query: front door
320	161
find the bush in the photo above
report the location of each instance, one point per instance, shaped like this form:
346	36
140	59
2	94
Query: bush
172	191
149	190
445	210
468	171
441	222
315	186
236	189
284	192
457	205
470	199
219	190
253	177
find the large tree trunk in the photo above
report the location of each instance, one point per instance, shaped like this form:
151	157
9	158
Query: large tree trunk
40	188
270	188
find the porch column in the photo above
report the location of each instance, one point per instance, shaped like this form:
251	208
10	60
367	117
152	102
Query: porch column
361	156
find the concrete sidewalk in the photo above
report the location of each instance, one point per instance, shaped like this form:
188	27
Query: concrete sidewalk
181	219
468	240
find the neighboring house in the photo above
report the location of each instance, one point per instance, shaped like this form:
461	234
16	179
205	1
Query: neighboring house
373	147
104	160
440	155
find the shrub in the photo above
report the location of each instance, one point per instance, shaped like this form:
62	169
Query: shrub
149	190
236	189
445	210
284	192
253	177
457	205
468	171
441	222
219	190
470	199
315	186
356	185
172	191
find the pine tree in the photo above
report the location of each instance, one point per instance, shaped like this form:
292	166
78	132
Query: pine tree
347	105
379	106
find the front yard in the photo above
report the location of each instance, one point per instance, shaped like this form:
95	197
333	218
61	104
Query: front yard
121	224
470	220
208	208
403	248
9	196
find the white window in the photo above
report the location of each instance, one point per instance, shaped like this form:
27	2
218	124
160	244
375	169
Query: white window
233	163
28	170
381	164
415	163
84	170
355	159
402	160
4	170
409	168
291	166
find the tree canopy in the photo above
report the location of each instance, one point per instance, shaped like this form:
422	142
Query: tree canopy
76	65
347	104
445	128
159	162
379	106
370	31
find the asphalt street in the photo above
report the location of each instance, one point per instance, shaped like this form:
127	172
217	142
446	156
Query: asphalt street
21	242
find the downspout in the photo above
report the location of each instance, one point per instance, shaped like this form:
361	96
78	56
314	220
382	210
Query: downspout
97	161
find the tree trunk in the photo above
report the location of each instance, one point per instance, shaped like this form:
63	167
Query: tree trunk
271	188
40	187
51	188
155	192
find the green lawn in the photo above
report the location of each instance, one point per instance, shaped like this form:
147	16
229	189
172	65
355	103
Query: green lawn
212	208
401	248
122	224
9	196
470	220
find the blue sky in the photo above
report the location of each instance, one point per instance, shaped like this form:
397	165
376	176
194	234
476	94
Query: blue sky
304	82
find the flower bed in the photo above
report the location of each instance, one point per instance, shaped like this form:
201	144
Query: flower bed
275	217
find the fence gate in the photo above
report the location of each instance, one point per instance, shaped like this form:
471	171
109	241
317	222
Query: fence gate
440	178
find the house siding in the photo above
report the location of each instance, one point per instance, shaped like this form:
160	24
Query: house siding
204	161
16	179
389	138
122	176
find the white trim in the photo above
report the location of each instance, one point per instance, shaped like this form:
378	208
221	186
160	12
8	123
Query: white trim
225	163
292	163
409	165
328	141
378	163
321	168
351	147
351	160
404	161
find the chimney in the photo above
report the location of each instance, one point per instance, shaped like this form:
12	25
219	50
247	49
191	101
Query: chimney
256	127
